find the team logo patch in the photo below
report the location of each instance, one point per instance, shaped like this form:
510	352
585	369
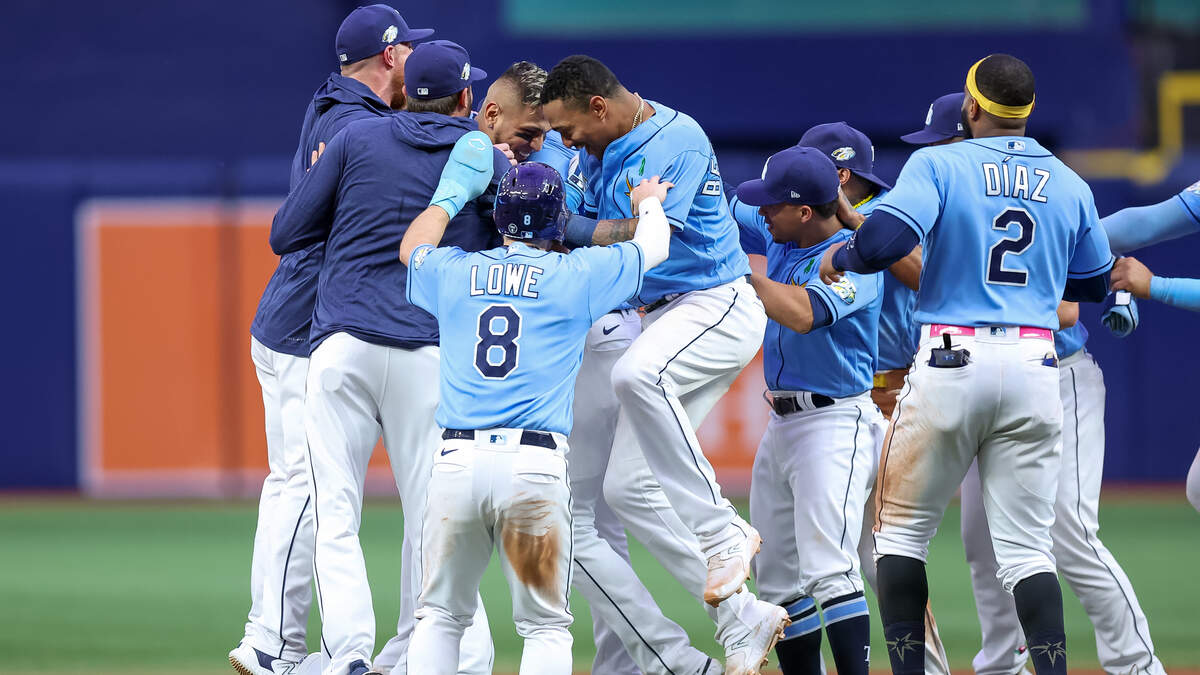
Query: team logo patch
929	116
845	290
1194	188
390	34
466	71
843	153
1015	145
419	257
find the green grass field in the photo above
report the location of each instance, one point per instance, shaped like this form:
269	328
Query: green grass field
103	587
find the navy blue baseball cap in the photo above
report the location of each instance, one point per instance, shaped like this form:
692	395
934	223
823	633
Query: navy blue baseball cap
368	30
848	147
942	122
798	175
439	68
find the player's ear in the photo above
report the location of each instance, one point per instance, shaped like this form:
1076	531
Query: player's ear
806	212
843	176
598	106
491	113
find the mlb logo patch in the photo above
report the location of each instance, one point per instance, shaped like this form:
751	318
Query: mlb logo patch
1015	145
422	91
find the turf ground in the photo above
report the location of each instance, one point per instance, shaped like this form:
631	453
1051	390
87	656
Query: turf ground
99	587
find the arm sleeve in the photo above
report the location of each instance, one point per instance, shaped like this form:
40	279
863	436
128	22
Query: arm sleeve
1140	226
917	198
688	171
752	227
821	316
425	269
306	216
882	240
847	296
1087	289
1181	293
613	274
1092	254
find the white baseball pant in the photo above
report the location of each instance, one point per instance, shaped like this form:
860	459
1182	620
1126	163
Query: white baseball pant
812	473
619	601
494	491
691	349
1002	408
281	569
357	390
1123	642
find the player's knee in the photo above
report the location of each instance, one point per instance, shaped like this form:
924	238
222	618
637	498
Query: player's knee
617	492
630	378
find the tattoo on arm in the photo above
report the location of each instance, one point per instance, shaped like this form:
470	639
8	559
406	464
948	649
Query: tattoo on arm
613	231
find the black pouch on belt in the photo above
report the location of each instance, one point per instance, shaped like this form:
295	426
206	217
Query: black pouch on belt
948	357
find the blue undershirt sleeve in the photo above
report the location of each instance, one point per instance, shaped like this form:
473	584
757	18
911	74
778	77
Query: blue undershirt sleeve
1181	293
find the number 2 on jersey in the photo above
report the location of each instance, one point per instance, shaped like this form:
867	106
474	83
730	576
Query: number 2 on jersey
997	273
497	350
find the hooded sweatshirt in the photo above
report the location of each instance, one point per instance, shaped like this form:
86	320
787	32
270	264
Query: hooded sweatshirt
375	178
284	316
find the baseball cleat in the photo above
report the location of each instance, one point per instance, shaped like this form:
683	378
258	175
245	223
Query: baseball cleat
729	569
747	654
249	661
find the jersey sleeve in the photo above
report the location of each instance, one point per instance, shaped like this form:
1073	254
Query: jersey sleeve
917	197
849	295
688	171
426	268
1092	254
1140	226
752	227
613	273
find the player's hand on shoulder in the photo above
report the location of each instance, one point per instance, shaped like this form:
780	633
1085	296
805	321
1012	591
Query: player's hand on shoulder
649	187
829	274
1129	274
507	151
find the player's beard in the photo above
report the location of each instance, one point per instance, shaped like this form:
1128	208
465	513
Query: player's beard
966	126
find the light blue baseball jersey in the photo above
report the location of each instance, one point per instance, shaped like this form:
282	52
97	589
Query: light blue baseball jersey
704	246
566	161
512	323
899	332
837	360
1004	223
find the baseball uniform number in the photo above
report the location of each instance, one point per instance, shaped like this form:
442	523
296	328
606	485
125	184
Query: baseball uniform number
497	350
997	272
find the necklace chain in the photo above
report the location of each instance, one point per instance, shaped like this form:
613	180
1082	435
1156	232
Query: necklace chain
637	116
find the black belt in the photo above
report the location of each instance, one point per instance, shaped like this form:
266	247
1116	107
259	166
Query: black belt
661	302
540	439
786	405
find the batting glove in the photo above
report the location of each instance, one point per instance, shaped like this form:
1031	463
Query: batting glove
1121	318
466	174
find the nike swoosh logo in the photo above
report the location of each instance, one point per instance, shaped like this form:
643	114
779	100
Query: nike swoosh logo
448	451
608	329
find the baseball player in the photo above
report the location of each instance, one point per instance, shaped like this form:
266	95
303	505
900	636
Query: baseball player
370	345
700	315
984	380
602	570
816	462
852	153
371	45
501	473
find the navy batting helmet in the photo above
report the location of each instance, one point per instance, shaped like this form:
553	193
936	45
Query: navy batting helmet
529	203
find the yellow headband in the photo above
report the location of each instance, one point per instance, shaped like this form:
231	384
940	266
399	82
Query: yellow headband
1006	111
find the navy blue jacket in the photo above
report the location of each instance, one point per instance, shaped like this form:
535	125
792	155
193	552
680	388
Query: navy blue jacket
375	177
284	316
